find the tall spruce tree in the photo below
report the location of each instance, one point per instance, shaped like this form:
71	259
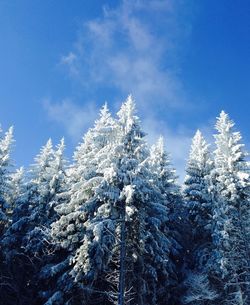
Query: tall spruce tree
197	196
25	241
145	270
80	232
114	228
164	175
200	215
163	179
231	198
16	186
5	177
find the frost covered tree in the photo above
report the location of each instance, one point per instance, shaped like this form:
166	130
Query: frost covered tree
5	176
82	219
196	184
25	242
199	206
231	196
145	271
131	150
163	174
163	178
44	192
17	186
198	200
114	228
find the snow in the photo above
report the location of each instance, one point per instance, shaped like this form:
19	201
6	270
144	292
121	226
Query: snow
116	215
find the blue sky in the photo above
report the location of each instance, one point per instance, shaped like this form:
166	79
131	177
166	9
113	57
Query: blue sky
183	61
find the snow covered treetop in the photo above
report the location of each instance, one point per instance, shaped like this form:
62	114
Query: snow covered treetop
60	148
105	117
159	147
160	165
199	152
158	155
5	147
46	154
98	136
223	122
229	152
127	112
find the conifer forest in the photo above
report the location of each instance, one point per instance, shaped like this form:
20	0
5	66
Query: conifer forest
115	227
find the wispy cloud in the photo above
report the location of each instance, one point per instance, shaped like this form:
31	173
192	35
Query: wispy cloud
74	118
70	60
133	48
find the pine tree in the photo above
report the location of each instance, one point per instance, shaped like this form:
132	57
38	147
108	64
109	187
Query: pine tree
197	196
163	179
145	270
5	177
44	193
114	228
199	206
231	205
17	186
82	219
25	242
132	151
164	174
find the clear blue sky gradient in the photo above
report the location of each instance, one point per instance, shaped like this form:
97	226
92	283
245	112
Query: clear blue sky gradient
211	61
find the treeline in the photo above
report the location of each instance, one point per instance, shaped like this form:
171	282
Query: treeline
115	227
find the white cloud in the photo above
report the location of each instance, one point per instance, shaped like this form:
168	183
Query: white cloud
133	48
74	118
127	49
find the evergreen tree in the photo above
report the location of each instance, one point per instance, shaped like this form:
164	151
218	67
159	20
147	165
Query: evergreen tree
114	228
133	192
76	232
44	192
164	175
200	210
25	243
141	223
163	179
5	177
17	187
197	196
231	198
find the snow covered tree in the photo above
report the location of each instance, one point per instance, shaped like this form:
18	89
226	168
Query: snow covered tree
199	207
164	179
196	183
231	196
17	186
163	174
141	216
114	228
44	192
198	201
76	232
25	242
5	187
